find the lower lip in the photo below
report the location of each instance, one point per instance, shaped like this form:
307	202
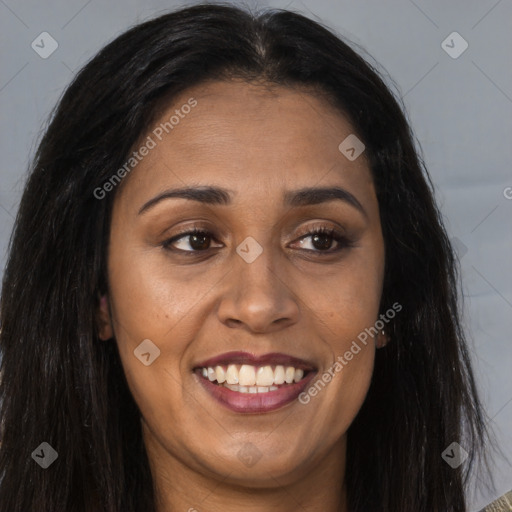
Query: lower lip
255	402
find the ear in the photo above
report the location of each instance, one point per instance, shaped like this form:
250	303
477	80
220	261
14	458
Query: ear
105	330
382	339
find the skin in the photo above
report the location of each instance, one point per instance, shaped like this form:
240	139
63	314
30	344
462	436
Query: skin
257	142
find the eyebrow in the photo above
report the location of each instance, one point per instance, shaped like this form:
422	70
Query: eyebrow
212	195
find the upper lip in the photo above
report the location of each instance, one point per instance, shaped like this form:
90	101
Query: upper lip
274	358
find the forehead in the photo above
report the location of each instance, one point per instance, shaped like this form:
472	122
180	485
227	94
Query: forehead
256	138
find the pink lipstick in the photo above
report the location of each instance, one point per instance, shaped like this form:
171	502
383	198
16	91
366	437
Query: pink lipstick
247	383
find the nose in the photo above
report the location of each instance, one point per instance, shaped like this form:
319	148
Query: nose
259	297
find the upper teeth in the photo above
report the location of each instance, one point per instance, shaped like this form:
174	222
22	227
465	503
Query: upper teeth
248	375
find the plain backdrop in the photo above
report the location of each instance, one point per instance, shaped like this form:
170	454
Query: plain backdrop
458	102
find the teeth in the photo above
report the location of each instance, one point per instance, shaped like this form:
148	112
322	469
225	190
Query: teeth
247	375
221	374
279	375
264	376
250	379
251	389
232	374
289	374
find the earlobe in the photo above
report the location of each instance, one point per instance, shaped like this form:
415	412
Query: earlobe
105	331
382	339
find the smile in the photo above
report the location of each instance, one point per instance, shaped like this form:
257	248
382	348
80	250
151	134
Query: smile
254	388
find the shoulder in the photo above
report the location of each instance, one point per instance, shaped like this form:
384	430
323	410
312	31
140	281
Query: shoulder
503	504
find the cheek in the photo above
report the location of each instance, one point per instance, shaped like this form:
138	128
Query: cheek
338	391
146	304
347	312
348	298
152	302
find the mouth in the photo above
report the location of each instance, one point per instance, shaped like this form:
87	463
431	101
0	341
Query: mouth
248	384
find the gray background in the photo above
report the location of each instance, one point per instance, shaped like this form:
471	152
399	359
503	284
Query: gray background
460	109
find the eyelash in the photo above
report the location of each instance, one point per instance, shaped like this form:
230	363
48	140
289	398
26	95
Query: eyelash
343	241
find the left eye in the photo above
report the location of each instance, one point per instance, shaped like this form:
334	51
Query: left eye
322	239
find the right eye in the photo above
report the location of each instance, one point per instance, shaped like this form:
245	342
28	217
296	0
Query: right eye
197	240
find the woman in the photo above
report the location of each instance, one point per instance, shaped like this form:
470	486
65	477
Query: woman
229	287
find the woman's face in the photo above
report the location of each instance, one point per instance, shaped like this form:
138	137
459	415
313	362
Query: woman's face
258	282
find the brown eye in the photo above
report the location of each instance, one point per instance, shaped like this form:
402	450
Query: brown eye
198	240
322	239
